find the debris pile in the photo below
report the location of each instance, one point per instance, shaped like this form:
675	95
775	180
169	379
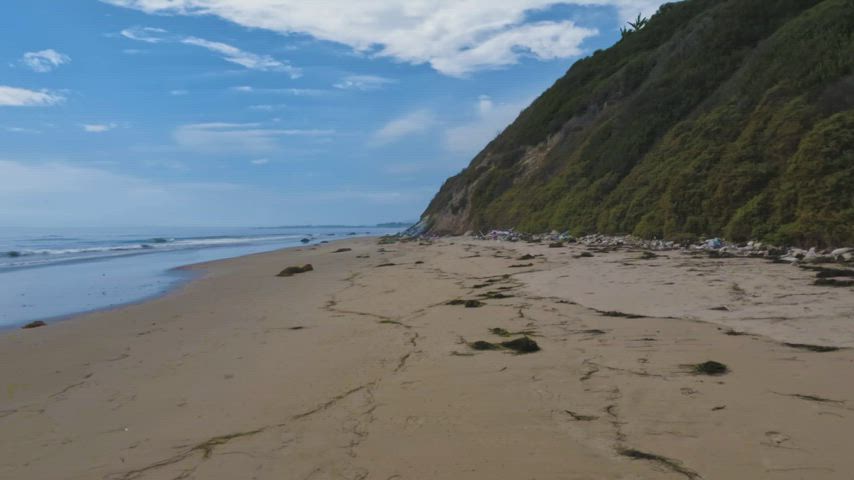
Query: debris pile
714	247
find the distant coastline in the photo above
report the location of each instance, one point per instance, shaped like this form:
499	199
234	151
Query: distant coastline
378	225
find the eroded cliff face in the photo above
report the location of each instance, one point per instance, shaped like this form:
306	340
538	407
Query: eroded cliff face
724	117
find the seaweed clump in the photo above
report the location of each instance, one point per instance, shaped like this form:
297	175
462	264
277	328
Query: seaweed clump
495	295
466	303
484	345
500	332
812	348
832	282
614	313
710	367
291	271
669	463
521	345
735	333
825	272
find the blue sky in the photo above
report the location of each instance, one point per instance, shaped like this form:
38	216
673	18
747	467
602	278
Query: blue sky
266	112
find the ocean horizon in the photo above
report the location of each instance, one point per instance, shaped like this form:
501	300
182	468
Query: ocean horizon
54	273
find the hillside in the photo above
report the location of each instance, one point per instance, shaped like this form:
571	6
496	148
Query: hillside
720	117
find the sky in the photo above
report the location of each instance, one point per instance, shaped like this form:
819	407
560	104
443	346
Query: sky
267	112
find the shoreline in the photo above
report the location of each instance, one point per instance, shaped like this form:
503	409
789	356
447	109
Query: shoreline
175	278
322	374
54	319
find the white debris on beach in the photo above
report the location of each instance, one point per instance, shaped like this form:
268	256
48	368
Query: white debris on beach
713	246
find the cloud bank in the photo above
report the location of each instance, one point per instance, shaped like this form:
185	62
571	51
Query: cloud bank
455	37
66	194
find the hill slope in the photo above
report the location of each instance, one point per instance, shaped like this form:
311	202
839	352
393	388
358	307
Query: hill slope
720	117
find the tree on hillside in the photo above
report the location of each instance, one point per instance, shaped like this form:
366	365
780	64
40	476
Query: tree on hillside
639	23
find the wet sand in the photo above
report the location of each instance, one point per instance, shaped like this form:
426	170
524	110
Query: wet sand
362	371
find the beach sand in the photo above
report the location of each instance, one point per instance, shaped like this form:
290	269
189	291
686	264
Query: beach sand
362	371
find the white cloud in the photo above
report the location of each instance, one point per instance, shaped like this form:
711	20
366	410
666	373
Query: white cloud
363	82
21	130
178	93
252	61
98	127
412	123
296	92
260	161
44	60
543	40
455	37
145	34
229	138
266	107
489	120
229	53
21	97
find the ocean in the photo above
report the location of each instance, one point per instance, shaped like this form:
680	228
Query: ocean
50	273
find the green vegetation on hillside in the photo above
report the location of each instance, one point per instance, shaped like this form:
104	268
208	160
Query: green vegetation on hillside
718	117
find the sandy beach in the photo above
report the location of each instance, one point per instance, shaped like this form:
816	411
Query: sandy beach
360	369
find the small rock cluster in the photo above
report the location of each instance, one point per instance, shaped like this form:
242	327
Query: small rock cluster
713	246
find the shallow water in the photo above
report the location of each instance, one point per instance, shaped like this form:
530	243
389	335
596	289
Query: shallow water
59	272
